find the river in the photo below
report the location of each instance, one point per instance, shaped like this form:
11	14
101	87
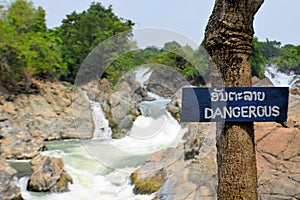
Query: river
101	167
281	79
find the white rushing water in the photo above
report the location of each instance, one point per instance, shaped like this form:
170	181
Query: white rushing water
101	124
101	168
281	79
142	75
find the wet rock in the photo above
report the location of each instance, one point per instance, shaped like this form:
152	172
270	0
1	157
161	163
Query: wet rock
157	170
126	122
149	185
194	180
149	99
174	109
141	92
48	175
255	80
9	190
295	91
196	176
21	146
166	82
188	171
265	82
121	104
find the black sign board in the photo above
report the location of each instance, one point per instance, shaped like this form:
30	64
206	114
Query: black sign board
236	104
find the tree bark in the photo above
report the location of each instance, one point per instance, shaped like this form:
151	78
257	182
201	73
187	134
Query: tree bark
228	40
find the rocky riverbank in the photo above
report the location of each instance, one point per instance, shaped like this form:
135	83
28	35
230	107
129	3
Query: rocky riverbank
31	115
190	170
44	110
27	120
55	111
8	187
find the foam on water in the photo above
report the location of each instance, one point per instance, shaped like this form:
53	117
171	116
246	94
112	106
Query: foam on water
101	168
92	180
142	75
280	79
101	124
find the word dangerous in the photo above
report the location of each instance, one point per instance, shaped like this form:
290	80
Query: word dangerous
234	104
244	111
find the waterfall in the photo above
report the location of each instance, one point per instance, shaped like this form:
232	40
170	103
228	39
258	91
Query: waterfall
281	79
101	169
142	75
101	124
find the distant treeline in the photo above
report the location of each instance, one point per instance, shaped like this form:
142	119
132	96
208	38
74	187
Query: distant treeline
286	57
29	49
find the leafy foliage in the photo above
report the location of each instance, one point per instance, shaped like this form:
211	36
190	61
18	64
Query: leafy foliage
82	32
270	49
289	59
27	48
258	60
193	64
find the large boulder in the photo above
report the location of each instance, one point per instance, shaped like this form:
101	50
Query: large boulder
294	110
178	172
160	166
278	161
28	119
195	179
9	190
174	108
196	176
48	175
166	81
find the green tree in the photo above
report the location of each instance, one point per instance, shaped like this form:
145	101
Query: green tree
270	49
82	32
228	40
258	60
21	15
125	63
289	59
27	48
40	21
192	64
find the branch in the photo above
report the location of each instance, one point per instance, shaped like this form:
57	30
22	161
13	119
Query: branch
257	5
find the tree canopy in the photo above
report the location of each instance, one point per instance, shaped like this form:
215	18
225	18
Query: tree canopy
82	32
27	48
289	59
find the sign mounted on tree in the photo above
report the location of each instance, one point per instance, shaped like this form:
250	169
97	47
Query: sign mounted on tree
236	104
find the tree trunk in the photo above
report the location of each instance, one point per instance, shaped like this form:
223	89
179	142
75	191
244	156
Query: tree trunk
228	40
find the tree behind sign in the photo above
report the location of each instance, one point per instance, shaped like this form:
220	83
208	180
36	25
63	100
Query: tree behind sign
228	38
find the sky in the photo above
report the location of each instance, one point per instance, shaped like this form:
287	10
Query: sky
276	20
